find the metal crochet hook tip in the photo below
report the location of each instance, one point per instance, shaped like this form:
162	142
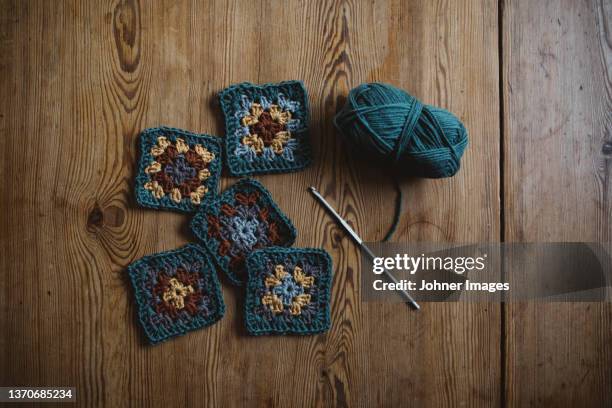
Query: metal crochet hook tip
360	243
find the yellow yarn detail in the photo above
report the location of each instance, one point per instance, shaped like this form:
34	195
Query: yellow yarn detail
204	174
157	151
274	302
181	146
163	142
249	120
155	188
300	277
256	110
280	116
254	141
298	302
201	190
206	155
196	196
176	293
280	272
154	167
280	139
253	118
175	195
272	281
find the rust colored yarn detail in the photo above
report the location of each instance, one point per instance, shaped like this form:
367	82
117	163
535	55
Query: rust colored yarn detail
249	199
267	128
190	300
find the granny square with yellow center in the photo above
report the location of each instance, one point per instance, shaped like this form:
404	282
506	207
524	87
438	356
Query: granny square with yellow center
176	292
288	291
177	170
266	127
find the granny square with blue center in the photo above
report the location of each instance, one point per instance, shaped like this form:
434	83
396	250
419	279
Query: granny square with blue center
266	128
176	292
288	291
237	222
178	170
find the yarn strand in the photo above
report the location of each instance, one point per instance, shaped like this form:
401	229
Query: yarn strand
398	209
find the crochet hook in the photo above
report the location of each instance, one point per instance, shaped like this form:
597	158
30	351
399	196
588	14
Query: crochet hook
360	243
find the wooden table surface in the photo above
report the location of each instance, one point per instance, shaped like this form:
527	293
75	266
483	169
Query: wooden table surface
530	79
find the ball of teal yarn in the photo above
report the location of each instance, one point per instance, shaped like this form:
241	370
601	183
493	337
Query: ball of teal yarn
388	124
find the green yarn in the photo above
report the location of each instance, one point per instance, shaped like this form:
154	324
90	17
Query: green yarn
391	127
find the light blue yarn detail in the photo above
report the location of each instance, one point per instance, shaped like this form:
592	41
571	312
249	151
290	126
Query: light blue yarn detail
244	231
287	290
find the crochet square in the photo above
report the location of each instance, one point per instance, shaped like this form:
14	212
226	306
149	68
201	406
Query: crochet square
240	220
178	170
288	291
176	292
266	128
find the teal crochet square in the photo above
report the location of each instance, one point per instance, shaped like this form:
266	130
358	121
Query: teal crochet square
176	292
288	291
266	128
178	170
242	219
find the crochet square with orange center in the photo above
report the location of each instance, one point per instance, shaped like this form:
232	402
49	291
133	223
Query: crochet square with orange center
266	128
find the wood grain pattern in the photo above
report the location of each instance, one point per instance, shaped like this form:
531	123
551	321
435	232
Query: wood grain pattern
558	94
80	79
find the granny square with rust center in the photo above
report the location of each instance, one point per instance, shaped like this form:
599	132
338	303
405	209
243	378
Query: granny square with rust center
266	127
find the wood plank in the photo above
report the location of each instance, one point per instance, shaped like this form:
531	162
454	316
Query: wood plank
558	98
81	79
